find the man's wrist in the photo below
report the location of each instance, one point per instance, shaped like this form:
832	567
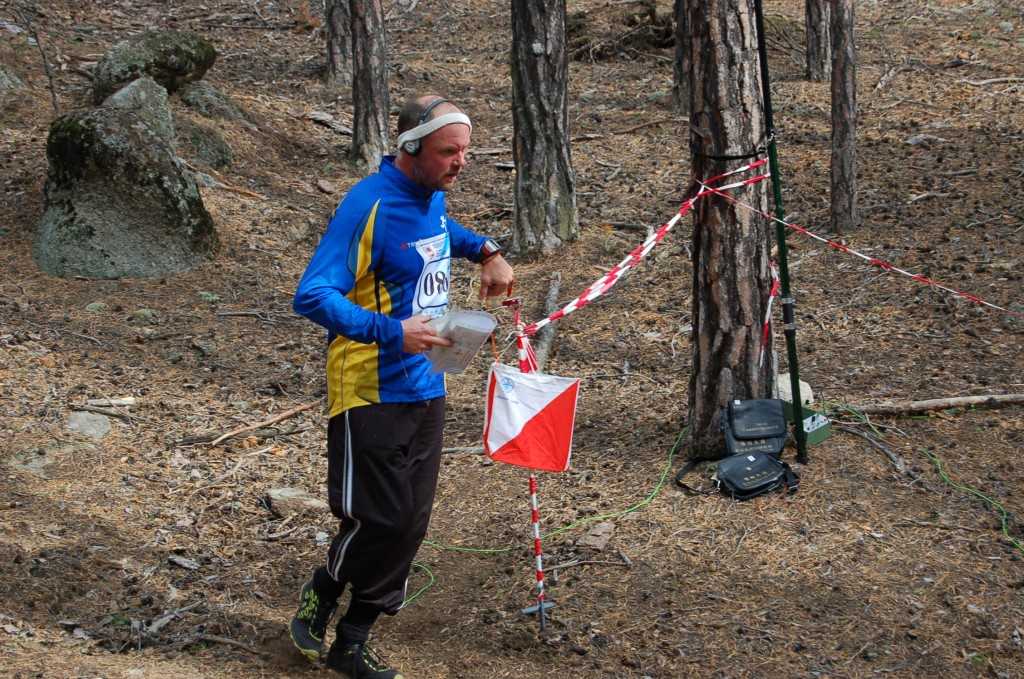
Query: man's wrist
488	251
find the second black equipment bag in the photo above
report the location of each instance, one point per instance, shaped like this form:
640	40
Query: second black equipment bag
751	474
754	425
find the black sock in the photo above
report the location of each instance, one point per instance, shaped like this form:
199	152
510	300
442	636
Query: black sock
327	586
354	627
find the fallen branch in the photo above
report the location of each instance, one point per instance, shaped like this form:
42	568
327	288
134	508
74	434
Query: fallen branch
109	412
277	536
901	465
235	189
268	433
214	639
993	81
464	450
570	564
649	123
283	416
547	333
957	403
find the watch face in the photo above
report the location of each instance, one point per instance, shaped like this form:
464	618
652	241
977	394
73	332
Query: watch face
490	247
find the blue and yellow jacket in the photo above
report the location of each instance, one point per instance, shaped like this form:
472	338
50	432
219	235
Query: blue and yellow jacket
386	256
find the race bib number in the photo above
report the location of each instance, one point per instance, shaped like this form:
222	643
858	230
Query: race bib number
432	288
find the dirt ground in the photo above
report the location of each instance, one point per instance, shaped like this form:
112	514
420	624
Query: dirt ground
153	553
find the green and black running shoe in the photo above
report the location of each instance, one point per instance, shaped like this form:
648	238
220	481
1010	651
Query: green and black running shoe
358	662
310	622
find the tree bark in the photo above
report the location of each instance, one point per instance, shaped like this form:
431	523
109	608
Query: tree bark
681	66
339	42
844	119
369	84
818	29
545	185
731	275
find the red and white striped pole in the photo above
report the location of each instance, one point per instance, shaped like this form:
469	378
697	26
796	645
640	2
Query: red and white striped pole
542	603
527	364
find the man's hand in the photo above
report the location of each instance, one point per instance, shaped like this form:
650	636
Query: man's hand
495	277
419	336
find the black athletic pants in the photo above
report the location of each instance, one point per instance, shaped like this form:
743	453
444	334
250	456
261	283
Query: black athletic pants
383	463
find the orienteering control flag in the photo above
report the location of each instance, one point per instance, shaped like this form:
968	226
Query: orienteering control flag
529	418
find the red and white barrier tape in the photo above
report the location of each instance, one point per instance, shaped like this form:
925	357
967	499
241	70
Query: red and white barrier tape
768	314
873	260
605	282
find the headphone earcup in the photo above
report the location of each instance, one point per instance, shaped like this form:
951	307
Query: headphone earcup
411	148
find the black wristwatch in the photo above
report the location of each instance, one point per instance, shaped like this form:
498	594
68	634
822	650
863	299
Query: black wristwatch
489	250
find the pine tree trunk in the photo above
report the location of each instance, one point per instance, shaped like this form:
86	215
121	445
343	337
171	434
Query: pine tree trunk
369	84
844	118
545	187
819	65
339	43
681	67
731	275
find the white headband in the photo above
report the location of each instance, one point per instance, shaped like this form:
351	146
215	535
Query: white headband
437	123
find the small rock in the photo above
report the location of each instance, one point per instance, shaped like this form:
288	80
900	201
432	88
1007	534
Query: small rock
287	501
925	138
144	317
325	186
183	562
598	537
93	425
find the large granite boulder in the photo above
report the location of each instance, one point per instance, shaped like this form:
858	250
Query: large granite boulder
118	201
171	58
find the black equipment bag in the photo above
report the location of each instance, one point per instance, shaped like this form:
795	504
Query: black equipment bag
755	432
751	474
754	425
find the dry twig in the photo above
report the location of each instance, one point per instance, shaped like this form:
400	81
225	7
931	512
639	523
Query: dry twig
283	416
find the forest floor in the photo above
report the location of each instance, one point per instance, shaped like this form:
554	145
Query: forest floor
152	552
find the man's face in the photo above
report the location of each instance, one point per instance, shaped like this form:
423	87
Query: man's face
442	158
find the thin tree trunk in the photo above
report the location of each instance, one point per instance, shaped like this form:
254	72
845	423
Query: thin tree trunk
545	187
731	275
844	119
339	42
681	67
818	29
369	84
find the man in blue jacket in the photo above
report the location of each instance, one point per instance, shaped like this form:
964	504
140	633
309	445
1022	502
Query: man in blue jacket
379	275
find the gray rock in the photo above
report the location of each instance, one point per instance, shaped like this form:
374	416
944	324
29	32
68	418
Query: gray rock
93	425
207	145
171	58
9	83
148	101
287	501
210	102
32	461
118	202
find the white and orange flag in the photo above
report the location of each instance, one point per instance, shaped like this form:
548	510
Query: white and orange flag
529	418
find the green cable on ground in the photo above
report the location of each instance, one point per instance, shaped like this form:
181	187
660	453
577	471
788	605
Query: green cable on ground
425	587
645	501
954	484
859	416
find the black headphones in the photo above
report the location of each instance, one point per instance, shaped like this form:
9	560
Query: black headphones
413	146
